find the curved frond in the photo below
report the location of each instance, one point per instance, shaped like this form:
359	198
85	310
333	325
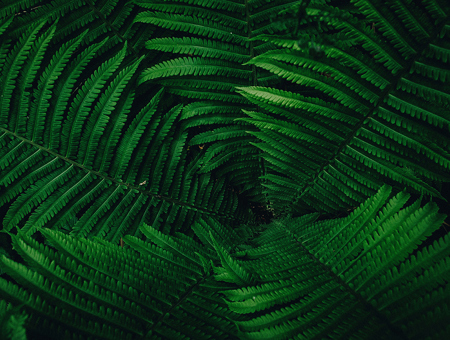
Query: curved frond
218	42
381	114
113	292
372	273
68	152
200	47
196	189
109	18
342	279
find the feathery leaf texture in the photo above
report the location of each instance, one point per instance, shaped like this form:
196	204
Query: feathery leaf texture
354	277
116	293
132	179
87	147
382	114
216	44
106	18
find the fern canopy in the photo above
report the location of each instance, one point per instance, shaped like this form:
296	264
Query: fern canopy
382	113
86	148
224	169
353	277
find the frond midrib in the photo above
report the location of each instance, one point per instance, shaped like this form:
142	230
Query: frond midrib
110	180
182	298
335	278
384	94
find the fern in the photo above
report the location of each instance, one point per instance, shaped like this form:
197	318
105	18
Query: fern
66	151
133	181
382	115
110	18
217	42
357	276
348	278
12	322
160	291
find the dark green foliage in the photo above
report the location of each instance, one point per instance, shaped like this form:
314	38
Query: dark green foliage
383	113
104	18
353	277
74	146
139	138
118	293
12	322
214	36
348	278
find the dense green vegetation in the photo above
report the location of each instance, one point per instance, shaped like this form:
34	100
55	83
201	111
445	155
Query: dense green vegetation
224	169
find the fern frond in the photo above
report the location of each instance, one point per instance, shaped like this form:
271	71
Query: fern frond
193	66
387	25
131	211
42	95
64	92
200	47
356	276
12	322
214	4
99	118
70	156
383	82
214	35
316	275
15	59
107	294
194	25
110	18
88	94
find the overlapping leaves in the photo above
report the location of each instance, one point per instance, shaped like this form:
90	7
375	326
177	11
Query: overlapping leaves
375	273
76	144
214	46
382	115
355	277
